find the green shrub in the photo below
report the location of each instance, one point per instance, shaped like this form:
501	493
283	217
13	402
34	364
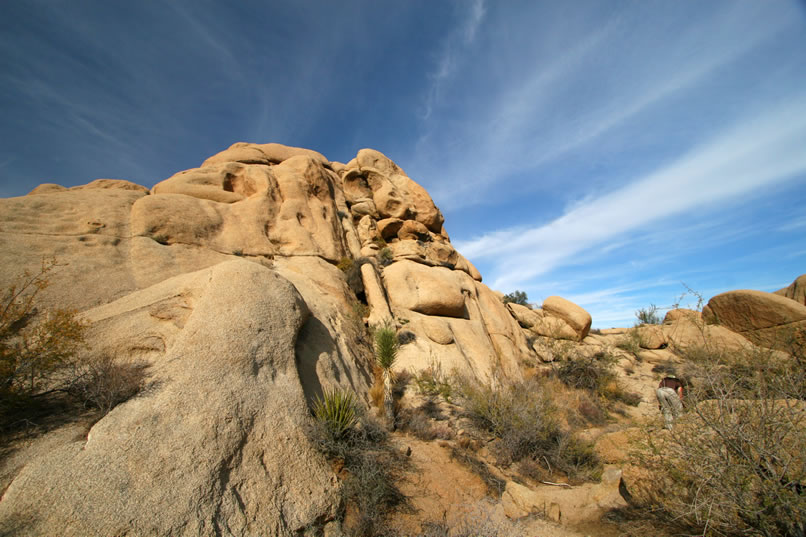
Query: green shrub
336	411
386	256
517	297
386	345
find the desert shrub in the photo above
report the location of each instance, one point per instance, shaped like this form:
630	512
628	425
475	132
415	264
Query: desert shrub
432	381
34	342
345	264
104	382
630	342
648	315
516	297
419	422
372	467
595	374
526	424
735	463
385	256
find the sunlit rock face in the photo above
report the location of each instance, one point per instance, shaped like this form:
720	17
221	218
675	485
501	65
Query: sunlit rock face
240	283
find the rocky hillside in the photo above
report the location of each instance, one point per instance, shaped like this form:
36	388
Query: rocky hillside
246	285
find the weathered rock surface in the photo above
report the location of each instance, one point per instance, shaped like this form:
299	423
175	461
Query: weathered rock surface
566	505
224	280
766	319
576	317
681	313
215	446
796	290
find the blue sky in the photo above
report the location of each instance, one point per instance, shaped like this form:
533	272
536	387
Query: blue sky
608	152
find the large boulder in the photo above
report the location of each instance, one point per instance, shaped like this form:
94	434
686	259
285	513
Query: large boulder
215	446
576	317
796	290
428	290
681	313
265	154
287	209
766	319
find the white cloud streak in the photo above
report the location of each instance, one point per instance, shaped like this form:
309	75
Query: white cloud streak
461	37
529	121
753	154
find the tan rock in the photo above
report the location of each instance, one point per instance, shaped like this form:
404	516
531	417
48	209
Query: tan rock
435	254
376	297
766	319
364	207
526	316
367	230
572	505
796	290
438	330
111	183
429	290
413	230
87	231
466	266
394	193
388	227
576	317
651	337
681	313
218	438
687	334
46	188
553	327
266	154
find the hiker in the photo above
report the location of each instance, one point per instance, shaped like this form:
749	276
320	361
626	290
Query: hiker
670	399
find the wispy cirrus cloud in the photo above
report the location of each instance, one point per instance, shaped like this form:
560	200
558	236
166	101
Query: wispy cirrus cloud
445	65
754	153
571	90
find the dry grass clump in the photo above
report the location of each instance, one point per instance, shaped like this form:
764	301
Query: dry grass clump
528	425
104	382
433	382
426	422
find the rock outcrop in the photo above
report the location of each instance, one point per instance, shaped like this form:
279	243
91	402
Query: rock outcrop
766	319
225	281
796	290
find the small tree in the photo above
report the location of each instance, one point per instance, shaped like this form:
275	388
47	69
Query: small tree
386	347
516	297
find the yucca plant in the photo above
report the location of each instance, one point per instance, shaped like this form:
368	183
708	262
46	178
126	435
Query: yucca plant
336	411
386	346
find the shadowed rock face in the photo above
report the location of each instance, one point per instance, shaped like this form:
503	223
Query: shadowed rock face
223	279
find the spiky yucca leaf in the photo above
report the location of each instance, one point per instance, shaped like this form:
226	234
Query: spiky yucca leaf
336	411
386	346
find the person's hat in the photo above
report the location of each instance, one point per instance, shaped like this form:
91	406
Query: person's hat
671	376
